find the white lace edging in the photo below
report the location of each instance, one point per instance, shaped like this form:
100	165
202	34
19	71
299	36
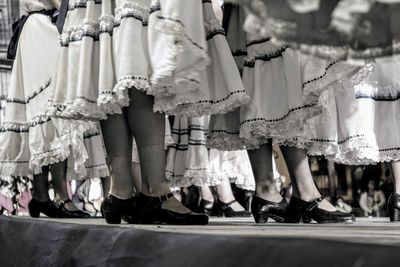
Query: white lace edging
129	8
208	178
79	109
195	106
75	132
296	124
126	83
107	103
367	156
225	141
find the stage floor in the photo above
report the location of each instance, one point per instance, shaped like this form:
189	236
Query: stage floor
365	230
228	241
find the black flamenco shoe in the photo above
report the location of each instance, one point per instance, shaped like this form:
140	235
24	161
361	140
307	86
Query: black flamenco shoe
224	209
48	208
394	207
299	210
114	209
263	209
149	211
205	207
71	214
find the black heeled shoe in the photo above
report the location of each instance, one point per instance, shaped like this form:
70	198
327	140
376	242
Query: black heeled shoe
72	214
114	210
224	209
48	208
263	209
150	211
205	207
299	210
394	207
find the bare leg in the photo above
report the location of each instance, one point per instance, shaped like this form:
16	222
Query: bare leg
261	163
59	180
105	182
118	142
206	193
149	131
302	180
137	176
41	186
396	176
225	194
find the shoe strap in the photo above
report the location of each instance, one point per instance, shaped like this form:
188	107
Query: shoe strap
227	205
165	198
314	203
63	203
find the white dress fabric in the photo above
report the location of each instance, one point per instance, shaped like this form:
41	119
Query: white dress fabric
189	162
77	79
288	90
364	124
30	139
180	57
207	89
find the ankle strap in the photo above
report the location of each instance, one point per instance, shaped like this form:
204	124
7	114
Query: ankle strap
63	203
314	203
164	198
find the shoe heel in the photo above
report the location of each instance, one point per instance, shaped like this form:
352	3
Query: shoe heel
112	217
394	215
261	217
219	212
294	217
34	213
34	210
306	219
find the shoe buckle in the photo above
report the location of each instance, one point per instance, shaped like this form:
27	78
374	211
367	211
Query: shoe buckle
164	198
315	203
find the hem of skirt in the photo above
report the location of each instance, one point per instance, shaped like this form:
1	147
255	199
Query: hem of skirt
187	106
207	178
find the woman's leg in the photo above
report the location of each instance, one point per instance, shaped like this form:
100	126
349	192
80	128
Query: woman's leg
396	176
302	180
149	131
137	176
105	183
225	194
41	185
206	193
59	181
261	163
118	142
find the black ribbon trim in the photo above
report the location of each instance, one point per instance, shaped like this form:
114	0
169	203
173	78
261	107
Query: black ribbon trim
17	29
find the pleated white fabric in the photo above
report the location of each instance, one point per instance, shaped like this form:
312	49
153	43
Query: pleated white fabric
364	125
30	139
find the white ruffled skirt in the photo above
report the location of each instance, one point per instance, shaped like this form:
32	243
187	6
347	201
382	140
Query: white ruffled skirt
286	100
288	91
30	139
363	126
189	162
180	57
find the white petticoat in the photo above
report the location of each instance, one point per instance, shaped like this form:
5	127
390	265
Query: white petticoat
289	93
29	138
364	124
189	162
156	47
